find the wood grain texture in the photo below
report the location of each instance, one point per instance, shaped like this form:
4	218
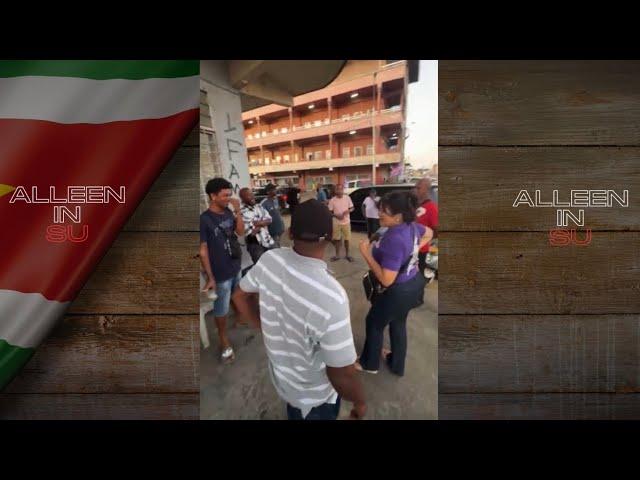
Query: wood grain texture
527	330
478	186
500	273
150	273
539	353
558	406
164	406
172	202
115	354
539	102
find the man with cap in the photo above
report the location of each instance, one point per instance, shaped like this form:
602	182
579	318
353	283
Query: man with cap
303	313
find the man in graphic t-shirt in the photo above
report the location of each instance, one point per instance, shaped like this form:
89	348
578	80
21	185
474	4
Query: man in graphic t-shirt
219	228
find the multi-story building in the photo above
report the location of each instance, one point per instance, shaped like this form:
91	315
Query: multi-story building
353	129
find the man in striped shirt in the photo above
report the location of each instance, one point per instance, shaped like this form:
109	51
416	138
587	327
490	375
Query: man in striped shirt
303	313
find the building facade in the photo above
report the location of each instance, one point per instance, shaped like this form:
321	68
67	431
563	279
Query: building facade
353	129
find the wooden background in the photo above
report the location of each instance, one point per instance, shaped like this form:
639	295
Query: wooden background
527	330
129	346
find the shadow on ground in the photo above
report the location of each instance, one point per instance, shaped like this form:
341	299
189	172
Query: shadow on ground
243	389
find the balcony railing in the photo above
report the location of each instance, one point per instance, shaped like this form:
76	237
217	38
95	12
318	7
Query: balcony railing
386	157
322	123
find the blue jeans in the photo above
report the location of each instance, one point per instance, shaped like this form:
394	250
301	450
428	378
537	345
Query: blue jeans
224	291
326	411
392	309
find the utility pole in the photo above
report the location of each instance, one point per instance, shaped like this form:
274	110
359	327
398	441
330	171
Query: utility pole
373	127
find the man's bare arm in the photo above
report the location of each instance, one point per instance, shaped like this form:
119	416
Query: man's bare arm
205	262
247	306
347	383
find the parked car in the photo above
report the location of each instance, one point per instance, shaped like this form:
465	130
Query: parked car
281	194
353	185
259	194
358	196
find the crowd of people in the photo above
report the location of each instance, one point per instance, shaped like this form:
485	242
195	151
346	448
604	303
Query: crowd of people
301	309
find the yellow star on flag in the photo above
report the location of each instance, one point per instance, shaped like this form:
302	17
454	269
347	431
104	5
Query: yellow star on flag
4	189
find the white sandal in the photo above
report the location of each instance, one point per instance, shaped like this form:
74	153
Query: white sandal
360	369
228	355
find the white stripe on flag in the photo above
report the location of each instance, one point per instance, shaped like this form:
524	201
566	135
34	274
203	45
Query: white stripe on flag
27	318
82	100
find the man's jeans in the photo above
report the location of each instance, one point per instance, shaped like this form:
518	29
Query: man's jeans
326	411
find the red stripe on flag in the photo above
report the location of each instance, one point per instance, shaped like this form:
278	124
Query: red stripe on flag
44	154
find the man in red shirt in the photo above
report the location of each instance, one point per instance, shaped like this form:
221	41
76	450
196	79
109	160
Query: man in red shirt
427	215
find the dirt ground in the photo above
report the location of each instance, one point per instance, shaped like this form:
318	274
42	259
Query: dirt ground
243	389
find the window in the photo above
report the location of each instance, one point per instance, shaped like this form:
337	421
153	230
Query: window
327	154
286	158
309	156
296	157
317	123
357	151
284	130
370	149
346	152
317	155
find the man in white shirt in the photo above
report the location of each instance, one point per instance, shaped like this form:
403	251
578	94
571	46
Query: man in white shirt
304	316
370	212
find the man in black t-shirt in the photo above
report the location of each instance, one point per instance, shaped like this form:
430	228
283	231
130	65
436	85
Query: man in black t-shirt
219	228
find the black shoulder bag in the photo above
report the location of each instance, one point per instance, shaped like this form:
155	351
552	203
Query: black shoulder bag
232	245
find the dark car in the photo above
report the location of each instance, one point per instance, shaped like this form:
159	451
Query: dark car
260	194
281	193
358	196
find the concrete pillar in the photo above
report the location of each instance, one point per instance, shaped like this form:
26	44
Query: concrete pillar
226	117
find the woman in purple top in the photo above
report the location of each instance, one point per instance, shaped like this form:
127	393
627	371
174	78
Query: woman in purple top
394	261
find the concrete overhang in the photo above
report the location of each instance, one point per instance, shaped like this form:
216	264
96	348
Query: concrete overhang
262	82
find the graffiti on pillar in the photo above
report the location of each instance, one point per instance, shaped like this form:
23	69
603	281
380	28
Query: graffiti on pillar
226	113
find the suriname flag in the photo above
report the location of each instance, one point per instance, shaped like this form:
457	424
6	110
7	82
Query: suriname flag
79	135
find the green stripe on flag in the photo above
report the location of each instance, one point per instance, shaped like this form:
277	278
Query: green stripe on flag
12	359
101	69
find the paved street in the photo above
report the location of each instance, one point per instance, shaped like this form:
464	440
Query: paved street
243	390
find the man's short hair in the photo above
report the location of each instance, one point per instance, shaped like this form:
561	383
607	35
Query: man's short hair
216	184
